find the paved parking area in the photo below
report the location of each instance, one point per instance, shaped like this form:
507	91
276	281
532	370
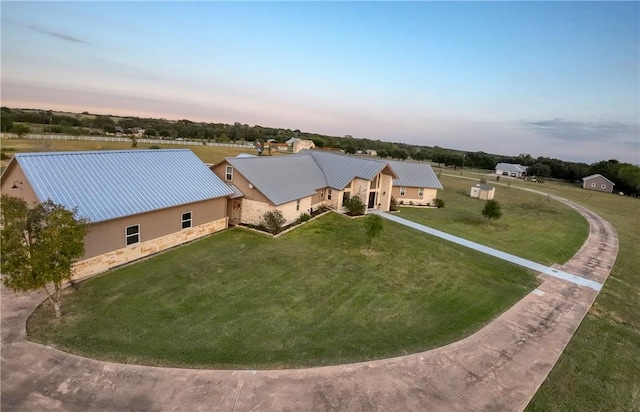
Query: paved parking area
498	368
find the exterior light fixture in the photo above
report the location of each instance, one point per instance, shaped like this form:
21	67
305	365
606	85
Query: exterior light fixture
14	184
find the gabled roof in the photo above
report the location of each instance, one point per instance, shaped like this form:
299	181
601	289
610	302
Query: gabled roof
340	170
281	179
510	167
106	185
596	175
414	174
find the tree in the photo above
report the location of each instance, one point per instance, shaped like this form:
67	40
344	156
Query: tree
39	246
350	150
539	170
150	133
273	220
383	154
373	227
354	206
20	129
492	210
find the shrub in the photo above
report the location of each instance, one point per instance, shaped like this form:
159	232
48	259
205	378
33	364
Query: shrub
155	146
393	206
304	217
483	180
492	210
273	221
373	227
439	203
355	206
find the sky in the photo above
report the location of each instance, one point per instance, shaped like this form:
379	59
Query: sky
553	79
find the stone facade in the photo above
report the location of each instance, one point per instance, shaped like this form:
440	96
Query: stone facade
252	211
106	261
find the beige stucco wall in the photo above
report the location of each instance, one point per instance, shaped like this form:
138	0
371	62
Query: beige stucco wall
106	261
411	195
385	191
23	191
240	182
109	235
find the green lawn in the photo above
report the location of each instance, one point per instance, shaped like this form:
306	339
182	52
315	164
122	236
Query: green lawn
600	368
532	227
238	299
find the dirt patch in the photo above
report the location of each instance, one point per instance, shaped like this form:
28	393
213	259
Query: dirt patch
369	252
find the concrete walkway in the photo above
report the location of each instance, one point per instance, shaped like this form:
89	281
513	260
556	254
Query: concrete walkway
499	368
493	252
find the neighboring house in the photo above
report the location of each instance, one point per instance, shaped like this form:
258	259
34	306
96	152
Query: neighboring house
416	184
136	131
371	152
483	191
597	182
302	183
138	202
510	169
298	145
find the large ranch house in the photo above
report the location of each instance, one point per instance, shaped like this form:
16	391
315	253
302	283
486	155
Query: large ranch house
138	202
416	184
303	183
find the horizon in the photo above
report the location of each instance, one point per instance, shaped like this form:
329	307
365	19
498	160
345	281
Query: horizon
558	80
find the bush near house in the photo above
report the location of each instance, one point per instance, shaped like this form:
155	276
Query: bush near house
273	221
439	203
355	206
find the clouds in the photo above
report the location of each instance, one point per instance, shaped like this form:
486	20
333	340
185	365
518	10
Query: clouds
593	131
57	35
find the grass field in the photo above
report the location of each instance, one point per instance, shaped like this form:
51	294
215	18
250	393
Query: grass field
311	297
208	154
532	227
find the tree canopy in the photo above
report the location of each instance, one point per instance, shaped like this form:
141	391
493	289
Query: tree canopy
39	246
492	210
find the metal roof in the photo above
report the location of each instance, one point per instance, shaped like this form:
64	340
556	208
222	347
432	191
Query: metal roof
107	185
414	174
236	191
340	170
484	186
510	167
281	179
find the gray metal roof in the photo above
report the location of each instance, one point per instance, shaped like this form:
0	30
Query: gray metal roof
484	186
510	167
107	185
414	174
340	170
281	179
236	191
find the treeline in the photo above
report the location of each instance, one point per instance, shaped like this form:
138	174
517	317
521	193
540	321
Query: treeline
624	175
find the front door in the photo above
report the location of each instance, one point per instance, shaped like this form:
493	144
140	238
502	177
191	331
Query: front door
236	210
372	200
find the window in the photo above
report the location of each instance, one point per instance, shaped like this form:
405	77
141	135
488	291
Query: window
420	191
229	173
604	186
374	183
329	194
132	234
345	198
298	204
593	185
321	193
403	190
186	220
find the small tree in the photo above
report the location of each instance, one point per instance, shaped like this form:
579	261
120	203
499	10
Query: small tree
439	203
492	210
355	206
20	129
39	246
273	220
373	227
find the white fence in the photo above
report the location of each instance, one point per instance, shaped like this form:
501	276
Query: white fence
123	139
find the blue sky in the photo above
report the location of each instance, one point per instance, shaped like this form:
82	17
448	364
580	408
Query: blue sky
557	79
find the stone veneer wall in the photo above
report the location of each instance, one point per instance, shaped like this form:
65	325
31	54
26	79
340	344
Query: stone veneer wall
106	261
252	211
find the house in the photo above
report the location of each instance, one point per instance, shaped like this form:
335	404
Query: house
510	169
417	184
597	182
371	152
302	183
138	202
482	191
297	145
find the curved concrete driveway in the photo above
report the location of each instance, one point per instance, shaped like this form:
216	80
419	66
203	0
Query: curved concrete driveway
499	367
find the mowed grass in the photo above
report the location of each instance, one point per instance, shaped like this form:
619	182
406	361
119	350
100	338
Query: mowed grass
600	368
532	226
208	154
239	299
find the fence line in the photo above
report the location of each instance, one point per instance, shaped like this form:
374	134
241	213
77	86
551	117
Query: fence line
121	139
